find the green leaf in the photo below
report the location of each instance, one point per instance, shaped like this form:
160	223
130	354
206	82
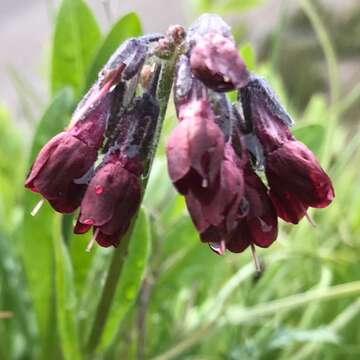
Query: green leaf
130	279
128	26
312	136
14	298
65	296
76	37
248	55
36	232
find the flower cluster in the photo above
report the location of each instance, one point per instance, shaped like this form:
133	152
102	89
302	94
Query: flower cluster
97	163
217	149
215	153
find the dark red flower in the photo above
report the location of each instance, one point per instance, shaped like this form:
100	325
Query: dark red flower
111	199
61	169
57	171
195	149
257	225
63	159
215	219
297	181
295	177
215	60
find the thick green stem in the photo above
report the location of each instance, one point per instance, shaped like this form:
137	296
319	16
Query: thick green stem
119	256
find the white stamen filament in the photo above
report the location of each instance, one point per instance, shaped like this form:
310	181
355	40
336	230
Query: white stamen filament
222	247
37	207
256	259
310	220
92	241
204	183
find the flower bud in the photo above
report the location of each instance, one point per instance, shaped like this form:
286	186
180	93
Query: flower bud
215	60
111	199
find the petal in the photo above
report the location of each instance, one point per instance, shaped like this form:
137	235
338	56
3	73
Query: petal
294	175
215	60
42	159
177	152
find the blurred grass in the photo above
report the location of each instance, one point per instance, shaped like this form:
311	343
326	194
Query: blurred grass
191	304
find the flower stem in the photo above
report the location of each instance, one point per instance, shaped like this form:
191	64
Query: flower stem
119	255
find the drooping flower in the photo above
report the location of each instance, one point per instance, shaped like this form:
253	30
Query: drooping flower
217	218
258	224
295	177
195	149
215	60
111	199
297	181
69	156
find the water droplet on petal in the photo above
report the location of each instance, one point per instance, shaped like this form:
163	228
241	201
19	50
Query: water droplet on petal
99	189
218	247
264	226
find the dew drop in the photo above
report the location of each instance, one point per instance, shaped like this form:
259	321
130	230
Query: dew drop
264	226
99	189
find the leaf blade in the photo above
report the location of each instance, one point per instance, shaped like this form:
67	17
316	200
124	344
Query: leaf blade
76	37
126	27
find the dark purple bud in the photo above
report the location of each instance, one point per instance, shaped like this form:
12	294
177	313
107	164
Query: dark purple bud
215	60
297	181
111	199
258	225
131	55
217	218
264	115
195	149
62	163
205	24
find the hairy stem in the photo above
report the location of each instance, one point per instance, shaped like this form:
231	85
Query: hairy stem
119	256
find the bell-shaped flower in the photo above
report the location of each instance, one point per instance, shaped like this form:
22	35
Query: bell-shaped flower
195	149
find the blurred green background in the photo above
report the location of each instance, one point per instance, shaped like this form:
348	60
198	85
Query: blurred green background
175	299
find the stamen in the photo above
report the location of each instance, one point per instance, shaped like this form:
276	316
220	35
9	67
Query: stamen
222	247
93	240
37	207
310	220
256	259
204	183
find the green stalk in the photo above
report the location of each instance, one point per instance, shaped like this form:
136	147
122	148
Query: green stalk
333	76
119	256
